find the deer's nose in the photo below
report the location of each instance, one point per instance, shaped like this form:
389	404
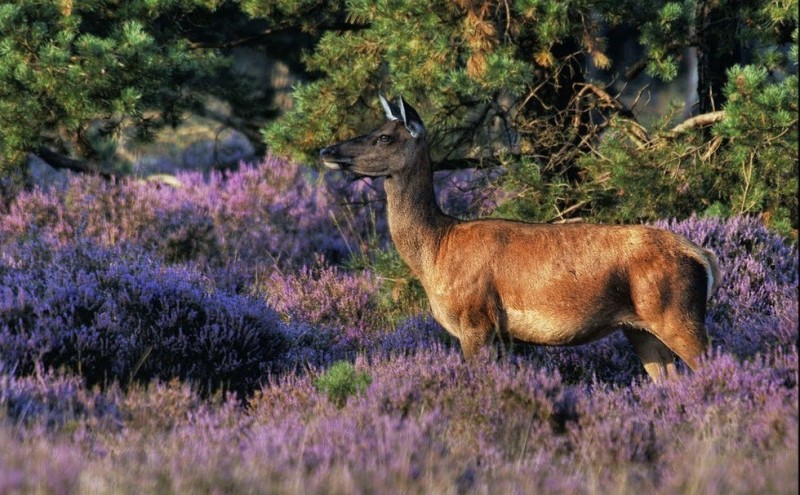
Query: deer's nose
326	152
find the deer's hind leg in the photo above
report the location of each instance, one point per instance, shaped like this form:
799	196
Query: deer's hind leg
473	338
684	334
673	310
656	357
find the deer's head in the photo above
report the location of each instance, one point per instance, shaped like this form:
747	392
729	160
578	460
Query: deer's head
389	149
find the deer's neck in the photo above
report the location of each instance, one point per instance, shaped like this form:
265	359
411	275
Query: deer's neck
416	223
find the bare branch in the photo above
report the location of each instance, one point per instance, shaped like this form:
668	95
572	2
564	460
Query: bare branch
560	218
702	120
637	68
266	33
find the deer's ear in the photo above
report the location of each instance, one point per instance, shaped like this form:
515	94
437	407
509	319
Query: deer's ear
392	112
411	119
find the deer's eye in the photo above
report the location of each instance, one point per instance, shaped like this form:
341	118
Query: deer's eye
383	138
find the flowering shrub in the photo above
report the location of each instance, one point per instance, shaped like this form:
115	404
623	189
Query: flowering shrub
274	213
755	308
251	218
231	282
324	296
428	422
54	400
331	314
112	315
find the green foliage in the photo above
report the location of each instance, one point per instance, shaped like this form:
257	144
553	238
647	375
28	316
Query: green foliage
75	76
747	164
341	381
308	14
760	160
670	27
666	178
449	64
400	292
509	86
534	195
456	62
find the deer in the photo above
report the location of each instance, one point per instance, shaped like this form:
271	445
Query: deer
536	283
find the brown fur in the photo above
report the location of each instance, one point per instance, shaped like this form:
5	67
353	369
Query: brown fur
538	283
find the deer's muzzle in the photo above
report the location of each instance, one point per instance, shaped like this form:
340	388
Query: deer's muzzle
333	159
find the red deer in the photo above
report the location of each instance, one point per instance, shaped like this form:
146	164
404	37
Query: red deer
551	284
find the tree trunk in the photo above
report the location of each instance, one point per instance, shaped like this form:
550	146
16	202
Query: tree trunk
718	48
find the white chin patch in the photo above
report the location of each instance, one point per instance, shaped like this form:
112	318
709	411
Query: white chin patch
332	165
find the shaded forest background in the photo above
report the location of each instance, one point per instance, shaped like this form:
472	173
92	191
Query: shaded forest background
610	111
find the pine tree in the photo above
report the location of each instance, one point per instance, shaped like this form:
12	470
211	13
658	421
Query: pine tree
742	159
74	76
515	84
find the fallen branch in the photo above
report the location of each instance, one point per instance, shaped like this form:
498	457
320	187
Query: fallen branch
59	161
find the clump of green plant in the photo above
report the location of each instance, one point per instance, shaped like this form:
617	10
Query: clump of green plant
400	293
341	381
536	193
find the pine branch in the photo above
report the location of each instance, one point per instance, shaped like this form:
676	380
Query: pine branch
701	120
635	130
636	68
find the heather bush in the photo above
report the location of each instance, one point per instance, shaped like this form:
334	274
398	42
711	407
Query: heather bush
54	400
331	314
324	296
429	422
237	223
38	464
410	335
508	423
755	308
112	315
346	383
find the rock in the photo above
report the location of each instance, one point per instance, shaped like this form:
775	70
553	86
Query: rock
42	175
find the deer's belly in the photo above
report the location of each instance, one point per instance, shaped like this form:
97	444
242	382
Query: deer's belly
548	328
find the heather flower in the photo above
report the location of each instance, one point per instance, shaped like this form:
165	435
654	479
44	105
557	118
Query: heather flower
39	465
111	315
755	308
54	400
429	422
230	282
246	220
324	296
